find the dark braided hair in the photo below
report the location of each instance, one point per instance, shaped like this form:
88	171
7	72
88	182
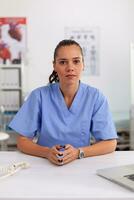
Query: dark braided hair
54	76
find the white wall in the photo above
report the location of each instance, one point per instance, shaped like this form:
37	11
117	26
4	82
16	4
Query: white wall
132	73
46	22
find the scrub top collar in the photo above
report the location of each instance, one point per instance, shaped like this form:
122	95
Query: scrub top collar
76	101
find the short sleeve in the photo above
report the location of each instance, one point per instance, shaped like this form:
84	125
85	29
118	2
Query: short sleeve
102	126
27	120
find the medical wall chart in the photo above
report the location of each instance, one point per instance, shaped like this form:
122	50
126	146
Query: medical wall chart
88	38
12	40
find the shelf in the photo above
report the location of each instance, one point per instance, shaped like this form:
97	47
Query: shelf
10	89
12	66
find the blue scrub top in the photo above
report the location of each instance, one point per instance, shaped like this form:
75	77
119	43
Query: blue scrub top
46	112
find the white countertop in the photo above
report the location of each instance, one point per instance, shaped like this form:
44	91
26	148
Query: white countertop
76	180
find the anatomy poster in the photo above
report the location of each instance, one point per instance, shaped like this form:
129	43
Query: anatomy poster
12	40
88	38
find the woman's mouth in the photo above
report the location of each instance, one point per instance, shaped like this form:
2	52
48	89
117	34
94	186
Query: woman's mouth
70	75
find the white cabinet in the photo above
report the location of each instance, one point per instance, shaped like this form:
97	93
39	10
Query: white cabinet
10	95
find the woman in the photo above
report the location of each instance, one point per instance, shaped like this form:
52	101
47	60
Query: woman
65	113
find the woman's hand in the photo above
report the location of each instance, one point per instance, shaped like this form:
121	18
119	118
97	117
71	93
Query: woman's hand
70	154
55	155
58	157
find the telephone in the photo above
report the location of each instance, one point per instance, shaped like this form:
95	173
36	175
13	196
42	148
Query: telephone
6	171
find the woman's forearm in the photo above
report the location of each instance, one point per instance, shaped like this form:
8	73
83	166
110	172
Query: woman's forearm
100	148
29	147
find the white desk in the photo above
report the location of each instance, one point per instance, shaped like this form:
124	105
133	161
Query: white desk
76	180
132	133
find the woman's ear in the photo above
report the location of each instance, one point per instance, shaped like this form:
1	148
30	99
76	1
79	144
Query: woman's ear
83	67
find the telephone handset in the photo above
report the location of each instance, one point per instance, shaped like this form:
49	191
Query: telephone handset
12	169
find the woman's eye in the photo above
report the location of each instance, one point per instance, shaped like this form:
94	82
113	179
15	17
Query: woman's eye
76	61
62	62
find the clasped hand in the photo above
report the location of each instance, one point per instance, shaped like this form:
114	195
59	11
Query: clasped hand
61	155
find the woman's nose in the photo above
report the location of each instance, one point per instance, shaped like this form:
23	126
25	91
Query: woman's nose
70	66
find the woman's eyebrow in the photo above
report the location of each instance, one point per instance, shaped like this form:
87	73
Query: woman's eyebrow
59	59
77	58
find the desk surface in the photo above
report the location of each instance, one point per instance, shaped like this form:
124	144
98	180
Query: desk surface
76	180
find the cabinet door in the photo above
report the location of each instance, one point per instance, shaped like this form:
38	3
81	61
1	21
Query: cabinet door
10	78
10	99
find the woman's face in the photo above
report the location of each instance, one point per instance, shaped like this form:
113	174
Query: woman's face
69	64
